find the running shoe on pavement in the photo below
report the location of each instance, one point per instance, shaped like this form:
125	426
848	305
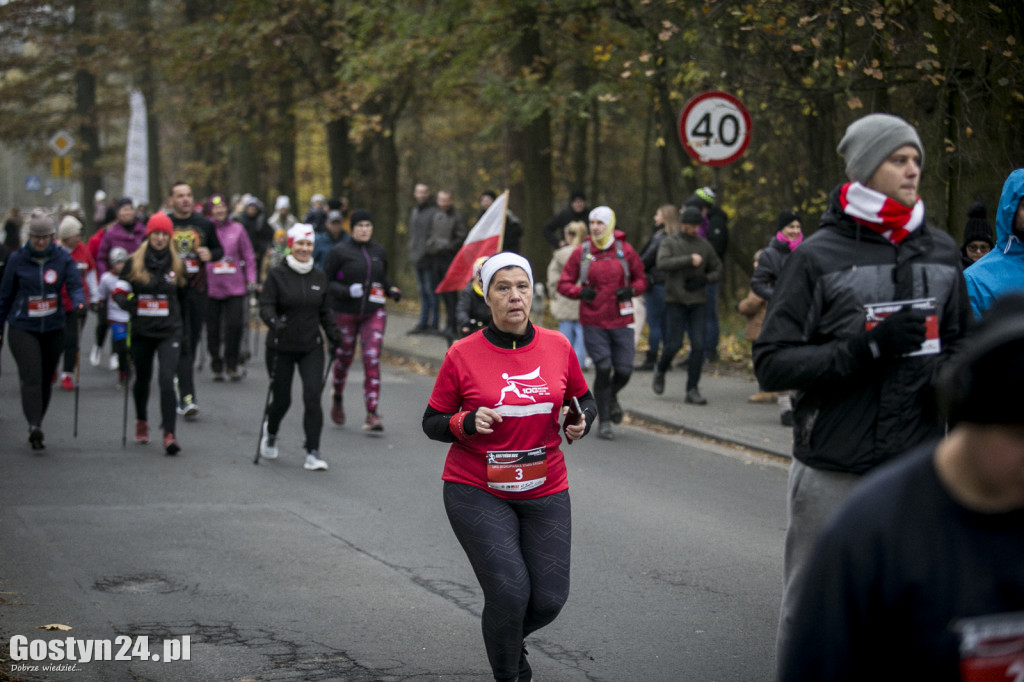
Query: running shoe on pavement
314	463
141	431
171	445
268	444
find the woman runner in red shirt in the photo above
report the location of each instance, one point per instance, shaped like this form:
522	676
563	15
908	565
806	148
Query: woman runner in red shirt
499	397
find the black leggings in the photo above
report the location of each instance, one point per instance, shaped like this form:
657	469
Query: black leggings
193	310
519	550
37	354
281	366
144	350
72	332
228	313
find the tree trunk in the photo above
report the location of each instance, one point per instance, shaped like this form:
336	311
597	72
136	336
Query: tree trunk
85	104
339	154
286	148
532	144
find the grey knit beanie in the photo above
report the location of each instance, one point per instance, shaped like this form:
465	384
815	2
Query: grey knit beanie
40	223
870	140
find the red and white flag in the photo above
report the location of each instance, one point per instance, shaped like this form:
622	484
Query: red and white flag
483	240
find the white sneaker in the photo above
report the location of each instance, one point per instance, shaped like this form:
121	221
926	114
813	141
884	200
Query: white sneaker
95	355
268	445
314	463
113	362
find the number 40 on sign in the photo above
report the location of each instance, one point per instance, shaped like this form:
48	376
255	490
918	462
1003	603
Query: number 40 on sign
714	128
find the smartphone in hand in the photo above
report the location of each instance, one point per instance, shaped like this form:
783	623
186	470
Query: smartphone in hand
571	417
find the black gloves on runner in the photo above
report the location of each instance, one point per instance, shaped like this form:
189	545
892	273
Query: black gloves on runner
624	293
588	294
898	334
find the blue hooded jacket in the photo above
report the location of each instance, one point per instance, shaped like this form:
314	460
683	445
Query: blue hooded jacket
26	279
1001	270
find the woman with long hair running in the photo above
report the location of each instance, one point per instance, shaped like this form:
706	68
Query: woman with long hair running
150	288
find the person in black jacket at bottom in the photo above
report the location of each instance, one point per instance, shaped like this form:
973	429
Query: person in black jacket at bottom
863	314
151	289
357	276
294	306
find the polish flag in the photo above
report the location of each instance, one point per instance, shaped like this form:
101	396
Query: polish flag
483	240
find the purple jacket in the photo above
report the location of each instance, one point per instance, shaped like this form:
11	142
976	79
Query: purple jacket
117	234
229	276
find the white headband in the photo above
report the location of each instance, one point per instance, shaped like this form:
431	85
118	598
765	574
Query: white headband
499	261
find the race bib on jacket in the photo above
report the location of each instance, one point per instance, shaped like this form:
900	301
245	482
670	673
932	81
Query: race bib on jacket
224	267
42	306
377	293
876	312
153	306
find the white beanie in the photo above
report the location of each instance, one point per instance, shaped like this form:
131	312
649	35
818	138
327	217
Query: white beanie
299	232
500	261
604	215
282	202
70	226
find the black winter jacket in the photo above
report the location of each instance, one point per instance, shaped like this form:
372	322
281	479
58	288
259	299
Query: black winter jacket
155	307
769	265
853	411
352	262
294	306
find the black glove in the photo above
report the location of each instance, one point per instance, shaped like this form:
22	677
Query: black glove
395	293
898	334
95	306
588	294
696	282
624	293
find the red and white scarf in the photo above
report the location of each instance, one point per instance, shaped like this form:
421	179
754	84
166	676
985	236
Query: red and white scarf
879	213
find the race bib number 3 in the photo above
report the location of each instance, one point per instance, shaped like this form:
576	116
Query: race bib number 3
517	471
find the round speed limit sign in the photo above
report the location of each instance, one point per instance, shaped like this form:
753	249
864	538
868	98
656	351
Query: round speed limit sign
714	128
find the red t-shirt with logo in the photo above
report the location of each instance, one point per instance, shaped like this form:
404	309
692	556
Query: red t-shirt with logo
522	459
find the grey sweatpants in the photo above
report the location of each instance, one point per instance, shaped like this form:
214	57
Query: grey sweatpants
812	497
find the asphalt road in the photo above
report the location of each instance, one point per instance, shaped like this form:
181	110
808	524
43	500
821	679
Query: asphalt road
277	573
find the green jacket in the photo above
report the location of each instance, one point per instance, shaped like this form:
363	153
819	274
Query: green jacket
675	259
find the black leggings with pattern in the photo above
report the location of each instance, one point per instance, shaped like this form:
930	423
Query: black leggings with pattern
519	550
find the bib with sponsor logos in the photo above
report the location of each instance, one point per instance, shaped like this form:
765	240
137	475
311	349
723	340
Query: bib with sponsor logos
42	306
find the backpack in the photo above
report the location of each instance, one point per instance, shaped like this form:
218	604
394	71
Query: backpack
586	259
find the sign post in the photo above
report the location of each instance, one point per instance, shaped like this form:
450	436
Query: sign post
714	128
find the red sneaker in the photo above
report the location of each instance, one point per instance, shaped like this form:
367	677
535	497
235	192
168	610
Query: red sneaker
67	382
171	445
141	431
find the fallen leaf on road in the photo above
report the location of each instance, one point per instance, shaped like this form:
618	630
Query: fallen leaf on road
53	626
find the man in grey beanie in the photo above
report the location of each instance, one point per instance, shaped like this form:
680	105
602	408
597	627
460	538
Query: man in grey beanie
863	314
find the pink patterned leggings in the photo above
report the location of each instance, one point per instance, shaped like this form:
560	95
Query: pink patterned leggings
369	329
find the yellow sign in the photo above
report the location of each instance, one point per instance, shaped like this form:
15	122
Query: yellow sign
62	142
61	167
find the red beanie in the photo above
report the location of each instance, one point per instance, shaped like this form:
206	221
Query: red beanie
160	222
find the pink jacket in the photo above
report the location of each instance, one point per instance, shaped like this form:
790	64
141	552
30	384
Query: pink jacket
229	276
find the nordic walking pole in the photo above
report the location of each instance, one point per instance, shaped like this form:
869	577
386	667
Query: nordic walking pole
124	422
266	405
78	357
